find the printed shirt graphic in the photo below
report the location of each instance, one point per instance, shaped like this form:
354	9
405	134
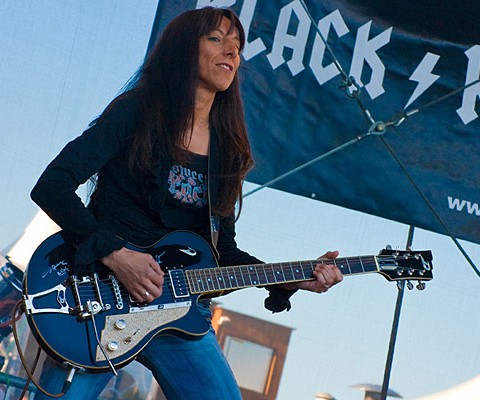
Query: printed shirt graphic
188	186
187	193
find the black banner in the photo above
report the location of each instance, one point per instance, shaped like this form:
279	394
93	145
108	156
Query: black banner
407	60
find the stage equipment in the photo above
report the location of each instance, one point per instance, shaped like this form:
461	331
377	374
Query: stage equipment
10	293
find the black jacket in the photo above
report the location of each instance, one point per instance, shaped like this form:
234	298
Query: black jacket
124	208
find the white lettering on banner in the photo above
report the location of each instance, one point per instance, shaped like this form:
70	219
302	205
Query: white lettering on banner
246	15
423	75
215	3
366	50
467	111
459	205
297	42
324	74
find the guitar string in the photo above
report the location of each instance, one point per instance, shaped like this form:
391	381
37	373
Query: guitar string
246	271
90	290
267	274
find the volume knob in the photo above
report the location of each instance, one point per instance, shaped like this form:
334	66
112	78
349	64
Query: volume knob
112	345
120	324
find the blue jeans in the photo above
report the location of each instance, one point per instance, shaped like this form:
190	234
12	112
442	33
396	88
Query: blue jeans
184	369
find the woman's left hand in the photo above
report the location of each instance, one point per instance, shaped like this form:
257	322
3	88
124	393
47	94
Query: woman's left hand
326	275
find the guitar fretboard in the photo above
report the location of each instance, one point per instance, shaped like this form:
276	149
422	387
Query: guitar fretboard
205	280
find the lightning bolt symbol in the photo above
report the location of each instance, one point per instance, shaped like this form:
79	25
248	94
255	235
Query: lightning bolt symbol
423	75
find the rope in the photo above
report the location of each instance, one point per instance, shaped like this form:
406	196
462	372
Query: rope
376	128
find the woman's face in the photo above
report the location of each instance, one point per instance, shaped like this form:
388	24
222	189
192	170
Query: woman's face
219	53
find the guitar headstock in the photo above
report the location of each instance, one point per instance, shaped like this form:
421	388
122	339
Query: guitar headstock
397	265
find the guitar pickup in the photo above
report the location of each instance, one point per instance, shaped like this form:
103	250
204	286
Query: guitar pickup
179	283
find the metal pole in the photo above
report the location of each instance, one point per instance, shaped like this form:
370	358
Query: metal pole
396	321
14	381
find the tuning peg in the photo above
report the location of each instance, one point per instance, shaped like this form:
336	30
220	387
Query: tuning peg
421	285
409	285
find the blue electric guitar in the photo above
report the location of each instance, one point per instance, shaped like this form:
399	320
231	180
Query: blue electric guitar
91	322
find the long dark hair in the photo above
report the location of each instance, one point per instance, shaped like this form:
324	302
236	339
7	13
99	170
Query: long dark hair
165	88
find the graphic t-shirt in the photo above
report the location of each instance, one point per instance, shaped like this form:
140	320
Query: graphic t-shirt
187	193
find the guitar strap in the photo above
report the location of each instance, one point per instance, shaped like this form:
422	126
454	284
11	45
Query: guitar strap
213	165
214	229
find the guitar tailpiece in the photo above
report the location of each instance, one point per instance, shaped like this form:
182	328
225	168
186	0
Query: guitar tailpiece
86	311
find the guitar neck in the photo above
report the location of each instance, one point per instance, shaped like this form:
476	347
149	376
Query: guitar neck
207	280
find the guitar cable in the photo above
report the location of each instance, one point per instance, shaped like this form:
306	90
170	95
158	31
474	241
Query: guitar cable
30	372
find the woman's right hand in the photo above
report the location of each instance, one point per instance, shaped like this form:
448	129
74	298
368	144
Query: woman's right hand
138	272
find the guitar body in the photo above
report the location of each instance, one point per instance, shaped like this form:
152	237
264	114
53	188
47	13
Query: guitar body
93	323
59	304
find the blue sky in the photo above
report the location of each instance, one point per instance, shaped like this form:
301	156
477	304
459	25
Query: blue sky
62	62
